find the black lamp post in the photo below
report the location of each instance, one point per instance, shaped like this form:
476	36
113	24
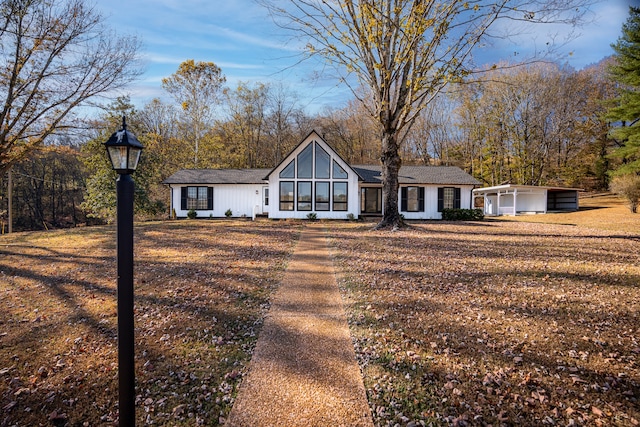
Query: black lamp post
124	151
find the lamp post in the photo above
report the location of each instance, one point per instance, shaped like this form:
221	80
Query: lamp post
124	151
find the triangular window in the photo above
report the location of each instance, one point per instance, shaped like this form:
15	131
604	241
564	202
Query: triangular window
338	172
289	170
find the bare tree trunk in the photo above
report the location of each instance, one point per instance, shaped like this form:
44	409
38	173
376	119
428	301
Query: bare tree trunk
391	163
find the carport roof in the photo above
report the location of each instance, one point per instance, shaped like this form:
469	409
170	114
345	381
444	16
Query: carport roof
512	187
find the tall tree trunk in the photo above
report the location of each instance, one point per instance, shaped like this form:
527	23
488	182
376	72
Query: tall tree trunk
390	168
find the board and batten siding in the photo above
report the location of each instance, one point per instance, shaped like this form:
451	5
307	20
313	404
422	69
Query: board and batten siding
244	200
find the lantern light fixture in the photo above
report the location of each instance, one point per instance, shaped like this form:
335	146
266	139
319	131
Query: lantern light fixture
124	150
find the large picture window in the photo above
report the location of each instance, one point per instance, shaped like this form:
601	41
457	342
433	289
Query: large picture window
304	196
315	181
322	196
197	198
448	198
412	199
286	196
340	196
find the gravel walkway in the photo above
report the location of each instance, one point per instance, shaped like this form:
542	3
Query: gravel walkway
303	371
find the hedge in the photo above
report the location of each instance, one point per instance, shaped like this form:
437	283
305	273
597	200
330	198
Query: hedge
462	214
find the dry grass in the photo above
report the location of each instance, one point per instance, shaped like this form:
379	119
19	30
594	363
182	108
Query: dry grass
202	289
601	211
497	322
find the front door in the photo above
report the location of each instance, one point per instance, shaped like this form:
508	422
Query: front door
265	199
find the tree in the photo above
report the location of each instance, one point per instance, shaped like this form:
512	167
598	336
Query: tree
628	186
48	189
247	109
55	55
536	124
196	87
626	71
405	52
429	139
352	133
100	198
282	106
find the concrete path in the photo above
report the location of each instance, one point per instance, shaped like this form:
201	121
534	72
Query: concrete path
303	371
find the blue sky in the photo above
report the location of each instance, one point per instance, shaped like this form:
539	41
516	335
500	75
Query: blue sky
241	39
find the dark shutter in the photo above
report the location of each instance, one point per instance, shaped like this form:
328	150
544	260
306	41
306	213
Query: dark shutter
403	199
183	198
421	199
440	199
210	198
456	198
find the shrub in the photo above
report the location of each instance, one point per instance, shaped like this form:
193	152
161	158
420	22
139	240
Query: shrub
351	217
228	213
312	216
628	186
462	214
192	214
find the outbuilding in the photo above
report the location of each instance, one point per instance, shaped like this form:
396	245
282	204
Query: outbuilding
509	199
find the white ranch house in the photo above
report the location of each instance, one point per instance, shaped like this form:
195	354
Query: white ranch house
314	178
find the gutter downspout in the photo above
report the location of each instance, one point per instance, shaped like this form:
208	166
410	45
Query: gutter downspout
170	201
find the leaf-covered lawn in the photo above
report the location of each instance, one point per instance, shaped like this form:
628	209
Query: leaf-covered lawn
494	323
485	323
202	290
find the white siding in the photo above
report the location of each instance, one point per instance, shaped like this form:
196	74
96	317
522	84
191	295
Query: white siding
431	201
242	199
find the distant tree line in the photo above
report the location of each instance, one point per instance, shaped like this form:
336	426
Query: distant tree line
541	124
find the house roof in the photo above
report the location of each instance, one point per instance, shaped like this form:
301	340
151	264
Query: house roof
442	175
217	176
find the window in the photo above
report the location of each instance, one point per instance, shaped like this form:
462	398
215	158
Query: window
323	163
322	196
412	199
338	172
266	197
371	200
448	198
197	198
286	195
289	170
304	195
339	196
305	162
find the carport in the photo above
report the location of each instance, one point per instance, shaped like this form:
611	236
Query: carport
512	199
